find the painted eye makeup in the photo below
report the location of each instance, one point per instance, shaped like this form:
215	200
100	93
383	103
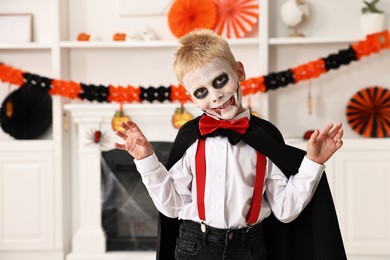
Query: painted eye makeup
201	93
220	81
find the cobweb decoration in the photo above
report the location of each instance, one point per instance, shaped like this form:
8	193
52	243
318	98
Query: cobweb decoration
236	18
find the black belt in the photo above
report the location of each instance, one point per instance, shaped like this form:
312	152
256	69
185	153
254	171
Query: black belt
219	234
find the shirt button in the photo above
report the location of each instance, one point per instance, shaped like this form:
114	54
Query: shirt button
230	236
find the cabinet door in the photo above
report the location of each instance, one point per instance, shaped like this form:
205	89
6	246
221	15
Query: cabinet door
363	200
26	201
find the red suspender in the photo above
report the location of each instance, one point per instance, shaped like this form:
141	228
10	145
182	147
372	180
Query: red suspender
257	197
200	168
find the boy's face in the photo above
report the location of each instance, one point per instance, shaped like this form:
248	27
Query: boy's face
215	89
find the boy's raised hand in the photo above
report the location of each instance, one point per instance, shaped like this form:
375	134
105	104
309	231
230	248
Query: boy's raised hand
322	145
135	142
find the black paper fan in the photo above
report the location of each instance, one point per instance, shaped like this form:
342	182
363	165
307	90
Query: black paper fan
26	113
368	112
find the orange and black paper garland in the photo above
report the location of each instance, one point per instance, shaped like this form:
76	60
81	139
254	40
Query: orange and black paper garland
373	43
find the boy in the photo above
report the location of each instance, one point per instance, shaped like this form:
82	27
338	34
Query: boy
231	180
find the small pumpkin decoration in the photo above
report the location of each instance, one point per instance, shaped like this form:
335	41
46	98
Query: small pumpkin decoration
83	37
180	117
119	37
118	118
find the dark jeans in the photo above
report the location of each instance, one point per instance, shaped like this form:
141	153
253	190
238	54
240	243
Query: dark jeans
215	244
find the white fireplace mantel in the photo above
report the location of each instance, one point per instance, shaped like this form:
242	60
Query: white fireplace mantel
154	120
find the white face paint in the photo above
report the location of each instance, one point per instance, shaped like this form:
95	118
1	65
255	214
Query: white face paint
214	88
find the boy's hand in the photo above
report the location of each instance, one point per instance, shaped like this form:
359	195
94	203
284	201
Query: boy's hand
322	146
135	142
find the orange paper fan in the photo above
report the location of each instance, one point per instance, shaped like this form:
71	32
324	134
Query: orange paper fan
368	112
236	18
187	15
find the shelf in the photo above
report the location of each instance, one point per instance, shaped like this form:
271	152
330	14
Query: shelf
125	44
311	40
25	46
144	44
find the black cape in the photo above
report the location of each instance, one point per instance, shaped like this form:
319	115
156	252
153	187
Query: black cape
314	235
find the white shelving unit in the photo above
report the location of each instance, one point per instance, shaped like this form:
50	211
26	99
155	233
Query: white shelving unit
55	53
311	40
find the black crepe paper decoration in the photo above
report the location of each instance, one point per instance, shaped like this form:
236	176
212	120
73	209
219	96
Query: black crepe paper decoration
32	113
278	79
151	94
343	57
37	81
94	93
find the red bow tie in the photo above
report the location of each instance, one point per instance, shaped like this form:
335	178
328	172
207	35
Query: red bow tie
209	124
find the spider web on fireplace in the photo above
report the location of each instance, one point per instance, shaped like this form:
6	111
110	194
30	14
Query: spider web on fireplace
129	217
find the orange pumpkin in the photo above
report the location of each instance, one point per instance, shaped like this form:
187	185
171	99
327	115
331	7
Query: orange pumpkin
118	118
180	117
119	37
83	37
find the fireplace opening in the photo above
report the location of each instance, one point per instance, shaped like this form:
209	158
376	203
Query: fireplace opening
129	217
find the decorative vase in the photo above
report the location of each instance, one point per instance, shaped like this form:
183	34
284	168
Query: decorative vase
294	13
372	23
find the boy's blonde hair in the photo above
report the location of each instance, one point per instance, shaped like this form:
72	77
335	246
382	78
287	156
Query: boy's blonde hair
199	47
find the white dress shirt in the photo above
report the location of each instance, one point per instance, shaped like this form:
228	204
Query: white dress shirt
230	177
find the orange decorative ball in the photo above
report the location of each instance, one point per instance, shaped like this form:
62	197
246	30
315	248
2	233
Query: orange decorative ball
118	118
180	117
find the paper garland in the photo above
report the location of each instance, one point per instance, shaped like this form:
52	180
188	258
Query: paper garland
374	43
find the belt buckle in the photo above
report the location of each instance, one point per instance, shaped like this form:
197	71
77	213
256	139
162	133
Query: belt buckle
202	227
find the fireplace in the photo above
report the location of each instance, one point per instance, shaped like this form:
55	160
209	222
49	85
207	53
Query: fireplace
89	239
129	218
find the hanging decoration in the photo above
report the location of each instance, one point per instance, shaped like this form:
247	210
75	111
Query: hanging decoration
368	112
118	118
180	117
309	99
95	136
236	18
26	113
372	44
187	15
